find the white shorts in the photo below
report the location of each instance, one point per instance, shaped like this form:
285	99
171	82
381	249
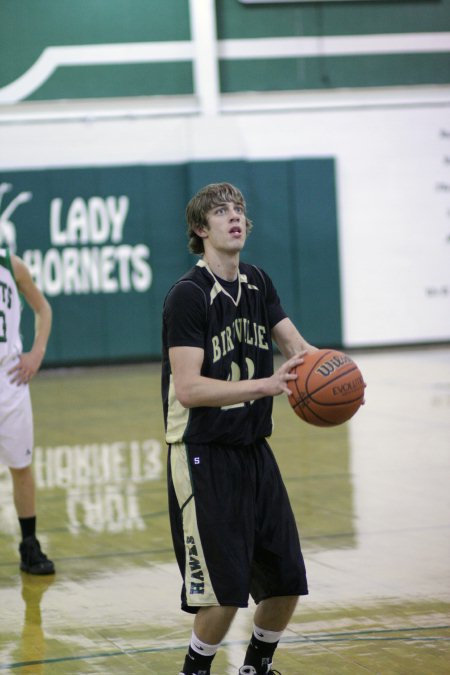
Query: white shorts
16	421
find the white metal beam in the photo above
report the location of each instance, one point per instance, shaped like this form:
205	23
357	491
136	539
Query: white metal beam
206	69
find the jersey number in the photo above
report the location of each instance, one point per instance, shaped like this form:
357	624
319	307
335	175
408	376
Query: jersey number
2	326
235	376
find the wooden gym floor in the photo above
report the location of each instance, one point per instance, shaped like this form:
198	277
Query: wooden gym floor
371	497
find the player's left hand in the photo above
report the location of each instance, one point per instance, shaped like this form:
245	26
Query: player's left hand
25	369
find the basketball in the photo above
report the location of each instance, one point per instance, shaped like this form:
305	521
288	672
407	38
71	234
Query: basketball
328	390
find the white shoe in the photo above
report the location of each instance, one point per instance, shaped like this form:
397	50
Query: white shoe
249	670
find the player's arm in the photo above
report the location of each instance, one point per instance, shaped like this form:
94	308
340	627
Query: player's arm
192	389
30	362
289	340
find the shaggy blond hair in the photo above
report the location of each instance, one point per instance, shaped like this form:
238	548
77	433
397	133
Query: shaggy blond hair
206	199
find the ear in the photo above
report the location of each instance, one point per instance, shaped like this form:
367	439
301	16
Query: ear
200	231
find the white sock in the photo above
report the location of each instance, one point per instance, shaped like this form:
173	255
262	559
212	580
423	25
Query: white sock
201	647
266	635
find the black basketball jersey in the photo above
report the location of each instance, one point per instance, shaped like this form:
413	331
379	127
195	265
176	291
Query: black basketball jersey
235	334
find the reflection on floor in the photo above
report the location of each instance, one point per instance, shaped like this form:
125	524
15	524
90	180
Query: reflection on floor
371	498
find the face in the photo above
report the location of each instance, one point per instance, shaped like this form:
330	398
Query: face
226	230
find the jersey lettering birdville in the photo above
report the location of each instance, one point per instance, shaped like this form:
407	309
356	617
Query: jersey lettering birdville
242	330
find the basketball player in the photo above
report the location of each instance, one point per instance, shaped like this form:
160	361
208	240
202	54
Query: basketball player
16	422
233	529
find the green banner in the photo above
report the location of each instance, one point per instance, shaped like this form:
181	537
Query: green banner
105	245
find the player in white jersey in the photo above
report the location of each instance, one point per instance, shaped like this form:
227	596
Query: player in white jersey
16	420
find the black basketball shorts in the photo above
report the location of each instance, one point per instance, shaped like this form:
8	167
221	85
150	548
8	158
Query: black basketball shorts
233	529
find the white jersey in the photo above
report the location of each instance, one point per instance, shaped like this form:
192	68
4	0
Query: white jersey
10	310
16	416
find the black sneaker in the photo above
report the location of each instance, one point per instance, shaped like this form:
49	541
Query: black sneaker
32	560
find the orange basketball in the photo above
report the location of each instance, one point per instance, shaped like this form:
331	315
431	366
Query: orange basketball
328	390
